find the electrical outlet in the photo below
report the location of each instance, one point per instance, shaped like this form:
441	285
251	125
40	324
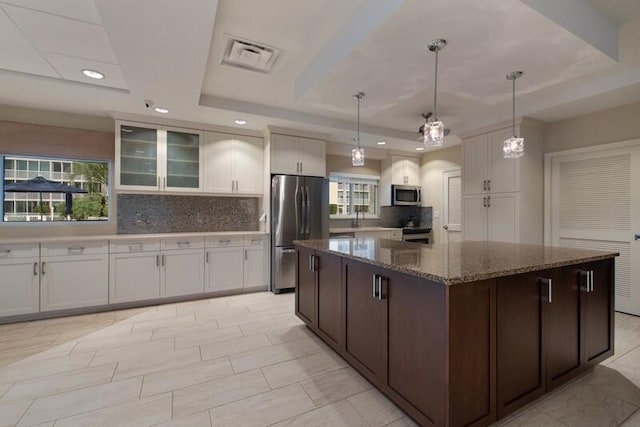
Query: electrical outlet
436	214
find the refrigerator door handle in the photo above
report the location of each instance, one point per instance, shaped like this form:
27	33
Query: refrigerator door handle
308	215
297	209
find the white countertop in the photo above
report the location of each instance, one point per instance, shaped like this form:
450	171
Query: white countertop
25	240
352	229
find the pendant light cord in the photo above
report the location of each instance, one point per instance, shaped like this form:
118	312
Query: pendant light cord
435	90
514	108
358	126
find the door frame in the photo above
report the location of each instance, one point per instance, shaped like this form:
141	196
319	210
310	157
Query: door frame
445	199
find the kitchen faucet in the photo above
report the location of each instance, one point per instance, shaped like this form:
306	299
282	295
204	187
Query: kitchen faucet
358	210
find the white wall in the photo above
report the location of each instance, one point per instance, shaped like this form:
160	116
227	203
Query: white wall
342	164
613	125
432	166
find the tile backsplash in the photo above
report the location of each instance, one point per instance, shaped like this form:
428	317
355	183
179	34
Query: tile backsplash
392	216
143	213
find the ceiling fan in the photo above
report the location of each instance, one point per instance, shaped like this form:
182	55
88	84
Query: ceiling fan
426	117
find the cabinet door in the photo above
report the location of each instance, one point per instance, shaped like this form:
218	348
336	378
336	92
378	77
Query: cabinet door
520	334
412	170
474	164
74	281
254	267
363	321
218	149
20	286
182	165
225	269
248	165
329	297
503	174
399	170
182	272
598	312
134	276
415	344
503	218
474	217
563	325
284	155
306	286
312	157
137	157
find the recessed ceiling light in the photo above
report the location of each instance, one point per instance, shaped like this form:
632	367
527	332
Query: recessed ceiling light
420	149
93	74
161	110
240	122
381	142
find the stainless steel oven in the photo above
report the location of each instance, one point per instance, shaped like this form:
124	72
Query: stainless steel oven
405	195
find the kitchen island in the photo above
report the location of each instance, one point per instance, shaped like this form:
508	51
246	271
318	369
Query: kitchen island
460	334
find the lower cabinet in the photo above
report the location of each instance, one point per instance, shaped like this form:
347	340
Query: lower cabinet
182	272
235	263
306	282
224	268
552	325
20	284
134	276
74	281
254	263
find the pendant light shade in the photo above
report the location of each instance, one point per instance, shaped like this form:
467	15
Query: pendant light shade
513	147
357	154
434	128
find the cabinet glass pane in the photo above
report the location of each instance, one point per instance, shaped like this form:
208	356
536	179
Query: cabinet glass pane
138	156
183	160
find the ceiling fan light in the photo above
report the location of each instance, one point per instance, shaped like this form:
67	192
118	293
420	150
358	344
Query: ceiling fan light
357	157
434	133
513	147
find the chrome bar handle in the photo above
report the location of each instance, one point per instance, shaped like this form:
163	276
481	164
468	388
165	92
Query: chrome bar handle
374	285
42	268
300	167
484	202
245	254
163	260
591	279
488	201
489	184
35	268
157	260
484	185
380	288
206	257
549	289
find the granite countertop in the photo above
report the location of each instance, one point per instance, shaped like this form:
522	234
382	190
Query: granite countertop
353	229
455	263
115	237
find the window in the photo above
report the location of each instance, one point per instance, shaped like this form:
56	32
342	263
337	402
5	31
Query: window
349	194
27	204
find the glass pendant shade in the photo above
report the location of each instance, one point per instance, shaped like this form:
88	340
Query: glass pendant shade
357	157
513	147
434	133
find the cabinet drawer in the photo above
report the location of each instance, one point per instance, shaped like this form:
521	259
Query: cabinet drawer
75	248
396	235
224	241
254	241
182	243
18	251
143	245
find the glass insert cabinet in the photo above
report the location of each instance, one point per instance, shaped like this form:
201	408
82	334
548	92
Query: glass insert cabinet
158	158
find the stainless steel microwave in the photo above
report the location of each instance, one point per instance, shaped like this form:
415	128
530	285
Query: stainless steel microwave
405	195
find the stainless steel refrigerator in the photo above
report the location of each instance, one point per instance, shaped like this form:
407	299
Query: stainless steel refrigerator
299	211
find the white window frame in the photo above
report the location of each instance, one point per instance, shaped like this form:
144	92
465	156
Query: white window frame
357	179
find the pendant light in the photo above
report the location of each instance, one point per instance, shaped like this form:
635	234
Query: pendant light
357	154
514	146
434	128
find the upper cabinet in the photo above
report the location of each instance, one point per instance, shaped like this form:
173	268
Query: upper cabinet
398	170
152	158
234	164
485	168
293	155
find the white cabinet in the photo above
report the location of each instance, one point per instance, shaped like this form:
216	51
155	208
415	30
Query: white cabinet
234	263
492	217
255	264
157	159
503	198
405	170
20	284
398	170
134	270
233	164
379	234
183	272
293	155
74	275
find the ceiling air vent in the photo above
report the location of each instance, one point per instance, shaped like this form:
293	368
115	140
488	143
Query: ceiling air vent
249	55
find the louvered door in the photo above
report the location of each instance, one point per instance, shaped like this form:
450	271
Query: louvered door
595	204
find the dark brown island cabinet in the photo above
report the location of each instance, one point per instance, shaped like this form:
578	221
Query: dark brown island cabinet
449	353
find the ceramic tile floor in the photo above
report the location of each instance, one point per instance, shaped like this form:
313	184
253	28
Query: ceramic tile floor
242	360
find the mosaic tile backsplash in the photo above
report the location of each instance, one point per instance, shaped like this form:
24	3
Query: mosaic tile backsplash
143	213
392	216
